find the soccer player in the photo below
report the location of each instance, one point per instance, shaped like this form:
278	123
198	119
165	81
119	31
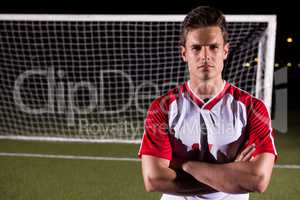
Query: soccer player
206	139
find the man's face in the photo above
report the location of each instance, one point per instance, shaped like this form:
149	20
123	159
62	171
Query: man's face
205	52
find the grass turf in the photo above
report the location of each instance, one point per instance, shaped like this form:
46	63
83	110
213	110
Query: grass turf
44	179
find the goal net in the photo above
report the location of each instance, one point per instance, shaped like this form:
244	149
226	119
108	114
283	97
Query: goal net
92	77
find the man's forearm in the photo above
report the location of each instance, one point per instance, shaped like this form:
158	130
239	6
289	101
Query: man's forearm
163	176
235	177
177	183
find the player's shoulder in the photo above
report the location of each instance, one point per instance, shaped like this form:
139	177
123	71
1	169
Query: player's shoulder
245	97
164	101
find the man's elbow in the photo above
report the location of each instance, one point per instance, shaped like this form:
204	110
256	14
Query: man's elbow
261	185
150	184
149	187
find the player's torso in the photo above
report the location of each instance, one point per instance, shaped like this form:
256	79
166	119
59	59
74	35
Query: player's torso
224	123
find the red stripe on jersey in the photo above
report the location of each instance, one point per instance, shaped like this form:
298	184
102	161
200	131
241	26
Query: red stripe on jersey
259	127
155	140
216	99
191	94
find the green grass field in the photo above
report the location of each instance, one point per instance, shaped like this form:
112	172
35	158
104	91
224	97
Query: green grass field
29	178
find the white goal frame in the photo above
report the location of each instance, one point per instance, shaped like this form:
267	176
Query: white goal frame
269	52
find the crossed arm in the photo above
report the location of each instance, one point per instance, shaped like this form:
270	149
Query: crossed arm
235	177
159	177
242	176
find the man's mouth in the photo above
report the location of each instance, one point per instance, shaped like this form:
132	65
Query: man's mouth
205	66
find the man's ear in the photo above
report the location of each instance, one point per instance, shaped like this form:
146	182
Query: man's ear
183	53
226	50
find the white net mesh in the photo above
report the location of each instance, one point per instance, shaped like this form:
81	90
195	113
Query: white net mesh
94	80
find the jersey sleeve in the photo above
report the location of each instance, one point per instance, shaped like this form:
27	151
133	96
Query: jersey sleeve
260	129
156	140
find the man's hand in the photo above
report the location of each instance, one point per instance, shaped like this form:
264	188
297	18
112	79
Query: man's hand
246	154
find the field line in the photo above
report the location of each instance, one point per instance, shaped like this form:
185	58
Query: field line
70	157
77	157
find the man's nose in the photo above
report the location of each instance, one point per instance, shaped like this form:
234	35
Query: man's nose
205	53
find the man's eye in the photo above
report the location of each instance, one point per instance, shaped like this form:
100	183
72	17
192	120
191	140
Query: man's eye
214	46
196	48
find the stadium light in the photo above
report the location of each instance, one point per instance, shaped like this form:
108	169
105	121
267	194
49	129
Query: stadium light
289	40
246	64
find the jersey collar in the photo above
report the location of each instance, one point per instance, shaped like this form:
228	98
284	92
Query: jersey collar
209	104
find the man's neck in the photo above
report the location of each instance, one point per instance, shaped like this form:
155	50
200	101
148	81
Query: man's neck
206	89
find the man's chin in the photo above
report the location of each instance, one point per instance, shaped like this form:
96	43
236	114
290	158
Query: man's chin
205	77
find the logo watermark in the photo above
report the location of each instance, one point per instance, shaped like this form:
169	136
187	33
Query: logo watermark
61	99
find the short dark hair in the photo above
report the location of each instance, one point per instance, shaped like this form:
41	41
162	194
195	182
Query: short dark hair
203	16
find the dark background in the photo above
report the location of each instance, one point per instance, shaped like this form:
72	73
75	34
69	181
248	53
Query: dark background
287	21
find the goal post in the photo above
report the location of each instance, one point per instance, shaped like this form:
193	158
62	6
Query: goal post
91	78
266	54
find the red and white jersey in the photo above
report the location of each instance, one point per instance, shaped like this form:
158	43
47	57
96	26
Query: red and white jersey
178	121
